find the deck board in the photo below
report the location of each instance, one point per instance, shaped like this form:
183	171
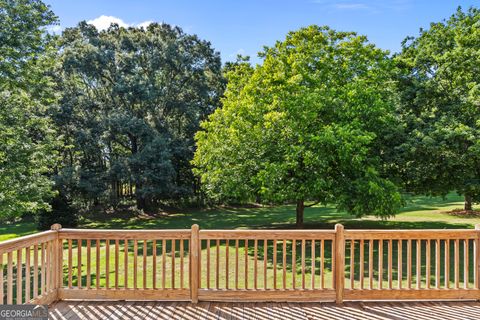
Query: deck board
93	310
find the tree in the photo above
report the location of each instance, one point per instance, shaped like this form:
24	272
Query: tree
132	100
27	143
306	125
439	91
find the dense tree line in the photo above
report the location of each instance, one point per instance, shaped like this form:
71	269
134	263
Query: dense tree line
132	100
148	116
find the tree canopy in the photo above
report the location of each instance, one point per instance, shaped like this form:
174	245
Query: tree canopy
439	91
132	99
27	140
307	124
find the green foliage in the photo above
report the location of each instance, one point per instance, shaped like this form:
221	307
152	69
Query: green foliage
439	106
132	100
307	124
27	142
62	212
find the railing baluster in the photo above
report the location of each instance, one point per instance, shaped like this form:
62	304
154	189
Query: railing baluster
322	264
174	250
19	277
227	261
447	263
456	264
476	258
246	264
208	263
400	263
274	264
42	270
370	264
217	264
352	264
2	293
35	270
10	278
154	262
97	264
255	266
164	262
144	273
284	262
182	262
419	264
437	263
89	279
236	263
303	263
27	274
294	262
79	262
47	267
107	263
265	260
117	252
312	254
125	263
427	263
380	263
409	264
465	263
135	263
390	264
362	263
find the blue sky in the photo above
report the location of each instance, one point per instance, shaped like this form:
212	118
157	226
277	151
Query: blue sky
245	26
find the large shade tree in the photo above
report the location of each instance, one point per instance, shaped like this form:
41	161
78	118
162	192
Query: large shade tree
439	86
309	124
132	99
27	143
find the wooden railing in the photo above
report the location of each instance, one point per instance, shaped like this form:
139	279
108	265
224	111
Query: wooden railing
240	265
30	270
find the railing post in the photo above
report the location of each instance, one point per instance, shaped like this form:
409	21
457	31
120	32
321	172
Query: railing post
339	269
57	260
194	266
477	259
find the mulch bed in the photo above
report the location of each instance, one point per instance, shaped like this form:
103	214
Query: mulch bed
464	213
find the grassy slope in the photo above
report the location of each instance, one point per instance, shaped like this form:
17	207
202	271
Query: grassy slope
420	212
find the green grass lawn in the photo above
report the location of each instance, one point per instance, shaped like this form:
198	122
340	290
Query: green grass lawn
419	213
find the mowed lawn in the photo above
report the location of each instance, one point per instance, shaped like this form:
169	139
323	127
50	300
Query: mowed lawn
419	213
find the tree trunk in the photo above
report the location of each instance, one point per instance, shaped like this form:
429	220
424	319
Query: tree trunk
300	209
468	203
141	201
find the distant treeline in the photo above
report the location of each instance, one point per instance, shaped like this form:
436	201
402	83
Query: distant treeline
150	117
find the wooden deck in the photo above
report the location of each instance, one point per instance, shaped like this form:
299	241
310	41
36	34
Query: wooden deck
284	311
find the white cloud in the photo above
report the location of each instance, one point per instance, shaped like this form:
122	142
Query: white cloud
103	22
144	24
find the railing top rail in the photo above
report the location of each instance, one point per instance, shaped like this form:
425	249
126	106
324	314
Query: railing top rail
124	234
420	234
26	241
267	234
